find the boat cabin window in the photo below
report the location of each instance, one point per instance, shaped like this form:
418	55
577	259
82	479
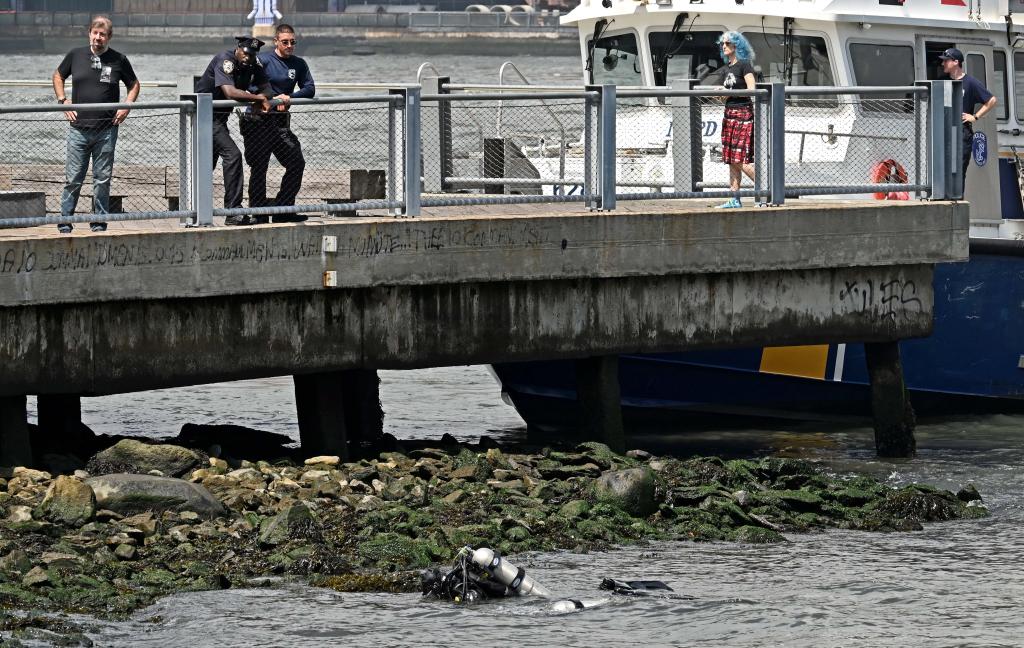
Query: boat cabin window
974	64
1000	89
1018	82
884	65
803	61
616	61
689	55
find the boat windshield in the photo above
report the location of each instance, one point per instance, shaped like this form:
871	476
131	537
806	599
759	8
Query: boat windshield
686	55
801	61
615	61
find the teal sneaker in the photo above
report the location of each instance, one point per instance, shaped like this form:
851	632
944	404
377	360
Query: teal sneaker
732	203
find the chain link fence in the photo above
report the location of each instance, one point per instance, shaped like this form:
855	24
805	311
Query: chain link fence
144	174
332	156
515	146
848	141
318	154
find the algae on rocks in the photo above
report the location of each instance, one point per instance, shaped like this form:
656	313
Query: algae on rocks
369	525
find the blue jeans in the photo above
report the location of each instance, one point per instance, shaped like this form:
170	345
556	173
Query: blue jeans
82	145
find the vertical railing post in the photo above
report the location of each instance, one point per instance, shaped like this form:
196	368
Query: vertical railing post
588	149
777	147
412	151
917	142
956	131
185	122
687	139
940	104
606	147
762	138
202	160
437	138
394	153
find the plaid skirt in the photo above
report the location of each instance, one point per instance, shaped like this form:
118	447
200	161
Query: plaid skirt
738	135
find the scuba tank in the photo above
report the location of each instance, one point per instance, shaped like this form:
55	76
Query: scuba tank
506	573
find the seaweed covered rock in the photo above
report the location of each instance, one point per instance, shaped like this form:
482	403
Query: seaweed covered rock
295	521
129	494
632	490
131	456
68	501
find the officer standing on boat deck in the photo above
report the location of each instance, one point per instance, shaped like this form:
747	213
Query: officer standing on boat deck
974	94
271	133
229	76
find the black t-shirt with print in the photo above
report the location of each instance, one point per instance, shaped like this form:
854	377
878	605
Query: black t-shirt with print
735	79
96	79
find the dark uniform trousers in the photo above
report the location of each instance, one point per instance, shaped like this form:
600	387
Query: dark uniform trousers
968	140
266	135
225	147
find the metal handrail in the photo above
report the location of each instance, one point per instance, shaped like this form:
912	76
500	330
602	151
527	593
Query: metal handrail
523	96
561	127
856	90
315	101
423	66
96	107
28	83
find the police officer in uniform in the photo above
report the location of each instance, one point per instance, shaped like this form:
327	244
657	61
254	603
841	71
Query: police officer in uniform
229	76
975	94
270	134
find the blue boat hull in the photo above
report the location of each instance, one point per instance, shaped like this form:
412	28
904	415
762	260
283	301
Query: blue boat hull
973	362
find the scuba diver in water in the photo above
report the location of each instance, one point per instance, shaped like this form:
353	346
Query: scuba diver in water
480	574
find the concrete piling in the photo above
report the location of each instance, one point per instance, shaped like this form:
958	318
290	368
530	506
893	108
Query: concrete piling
321	414
893	414
599	396
338	411
15	447
60	424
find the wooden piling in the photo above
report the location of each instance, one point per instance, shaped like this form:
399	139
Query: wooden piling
600	399
15	447
893	414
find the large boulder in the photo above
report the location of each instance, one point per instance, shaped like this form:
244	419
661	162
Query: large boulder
129	494
68	501
632	490
131	456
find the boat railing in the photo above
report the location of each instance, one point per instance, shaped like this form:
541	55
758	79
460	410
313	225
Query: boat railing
400	150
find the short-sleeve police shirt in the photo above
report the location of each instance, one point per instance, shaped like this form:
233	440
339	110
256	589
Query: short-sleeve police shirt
96	80
974	93
225	70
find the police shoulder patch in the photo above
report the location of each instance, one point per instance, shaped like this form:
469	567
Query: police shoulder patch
228	66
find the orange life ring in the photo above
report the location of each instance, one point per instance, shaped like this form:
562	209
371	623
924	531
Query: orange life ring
889	172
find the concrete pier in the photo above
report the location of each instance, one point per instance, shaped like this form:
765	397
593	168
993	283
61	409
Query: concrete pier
151	305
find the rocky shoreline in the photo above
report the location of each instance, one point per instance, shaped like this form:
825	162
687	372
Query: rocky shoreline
146	520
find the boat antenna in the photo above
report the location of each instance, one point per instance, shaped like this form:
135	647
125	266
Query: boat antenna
787	49
599	29
1009	28
661	64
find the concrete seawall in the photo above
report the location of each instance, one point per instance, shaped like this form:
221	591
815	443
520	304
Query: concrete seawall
322	34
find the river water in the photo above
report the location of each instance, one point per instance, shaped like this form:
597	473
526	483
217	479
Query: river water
953	584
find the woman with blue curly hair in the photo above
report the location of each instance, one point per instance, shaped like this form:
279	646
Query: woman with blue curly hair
738	124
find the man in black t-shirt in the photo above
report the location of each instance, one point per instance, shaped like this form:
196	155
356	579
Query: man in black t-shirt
975	94
97	73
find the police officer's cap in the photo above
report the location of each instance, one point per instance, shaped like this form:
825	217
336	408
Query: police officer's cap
249	44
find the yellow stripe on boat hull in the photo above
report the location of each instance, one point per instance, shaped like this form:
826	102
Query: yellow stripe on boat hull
803	361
